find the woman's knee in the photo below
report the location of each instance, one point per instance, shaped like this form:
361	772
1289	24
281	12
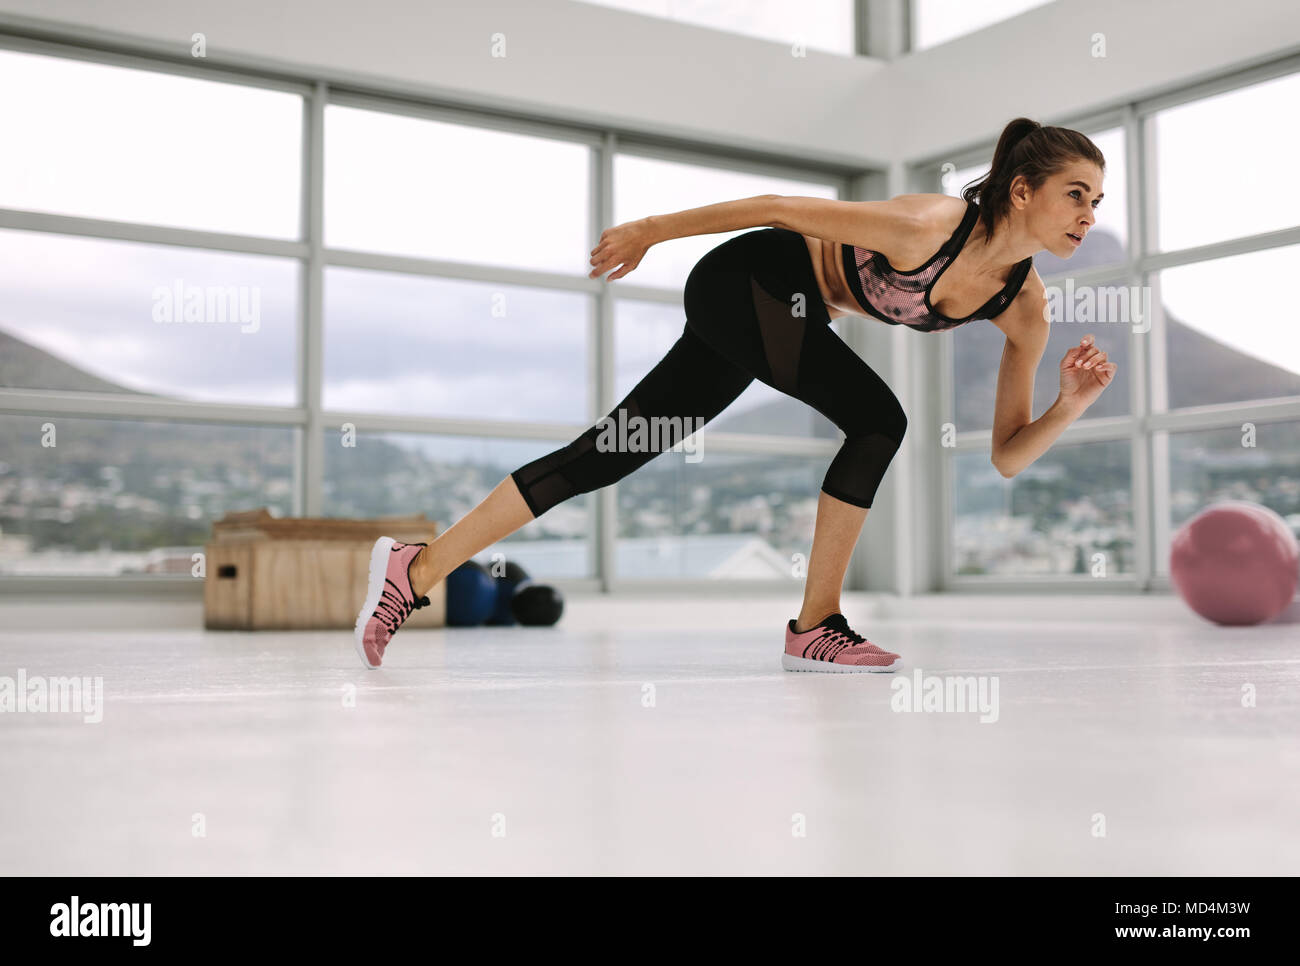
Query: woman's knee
859	467
885	418
898	422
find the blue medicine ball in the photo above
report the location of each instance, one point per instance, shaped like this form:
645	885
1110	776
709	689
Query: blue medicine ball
513	577
471	595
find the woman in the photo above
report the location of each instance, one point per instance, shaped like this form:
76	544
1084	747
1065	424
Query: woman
759	306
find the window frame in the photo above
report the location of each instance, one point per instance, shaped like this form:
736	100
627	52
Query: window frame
1150	422
307	417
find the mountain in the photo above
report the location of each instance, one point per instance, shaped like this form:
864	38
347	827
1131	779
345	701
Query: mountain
780	417
1226	374
24	366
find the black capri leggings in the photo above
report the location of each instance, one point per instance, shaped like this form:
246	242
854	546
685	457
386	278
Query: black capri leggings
753	310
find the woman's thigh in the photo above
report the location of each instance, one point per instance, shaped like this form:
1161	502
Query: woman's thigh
755	299
752	298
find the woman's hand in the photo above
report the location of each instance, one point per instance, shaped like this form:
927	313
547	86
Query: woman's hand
625	245
1085	372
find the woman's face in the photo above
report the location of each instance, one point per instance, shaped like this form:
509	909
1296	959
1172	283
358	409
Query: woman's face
1063	210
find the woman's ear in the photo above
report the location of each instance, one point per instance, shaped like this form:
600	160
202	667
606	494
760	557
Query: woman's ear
1020	194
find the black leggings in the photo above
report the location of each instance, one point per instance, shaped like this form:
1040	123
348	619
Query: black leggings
753	310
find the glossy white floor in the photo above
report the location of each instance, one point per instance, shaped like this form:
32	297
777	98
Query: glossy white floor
656	735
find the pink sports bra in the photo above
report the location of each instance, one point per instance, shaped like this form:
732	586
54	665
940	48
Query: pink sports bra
903	298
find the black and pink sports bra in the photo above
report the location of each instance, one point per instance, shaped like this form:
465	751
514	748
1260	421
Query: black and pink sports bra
903	298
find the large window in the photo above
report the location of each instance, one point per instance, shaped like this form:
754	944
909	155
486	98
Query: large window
1206	403
94	315
1225	355
1070	512
410	186
96	497
141	146
1217	161
428	346
149	344
1228	338
184	336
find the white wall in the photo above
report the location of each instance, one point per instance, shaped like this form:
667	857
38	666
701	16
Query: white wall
1041	64
568	61
578	61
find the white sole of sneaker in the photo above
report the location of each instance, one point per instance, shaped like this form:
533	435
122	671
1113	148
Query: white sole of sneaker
792	663
374	588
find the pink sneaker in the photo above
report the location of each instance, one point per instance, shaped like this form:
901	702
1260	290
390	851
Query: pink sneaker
832	646
389	598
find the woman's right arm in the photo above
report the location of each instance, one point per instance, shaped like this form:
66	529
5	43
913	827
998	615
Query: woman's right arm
868	224
626	244
888	226
756	212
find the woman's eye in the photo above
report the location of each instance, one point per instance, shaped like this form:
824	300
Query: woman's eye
1074	193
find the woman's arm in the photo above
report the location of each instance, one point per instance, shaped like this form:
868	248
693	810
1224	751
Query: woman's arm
1033	438
756	212
890	226
1085	372
626	244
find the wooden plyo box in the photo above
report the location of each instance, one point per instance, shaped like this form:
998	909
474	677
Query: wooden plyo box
302	573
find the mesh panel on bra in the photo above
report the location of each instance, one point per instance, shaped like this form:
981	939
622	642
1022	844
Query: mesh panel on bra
900	298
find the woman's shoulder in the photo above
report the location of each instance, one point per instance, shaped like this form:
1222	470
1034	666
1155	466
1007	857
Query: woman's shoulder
934	210
936	217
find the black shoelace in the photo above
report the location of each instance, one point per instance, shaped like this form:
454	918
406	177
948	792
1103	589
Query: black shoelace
393	607
853	636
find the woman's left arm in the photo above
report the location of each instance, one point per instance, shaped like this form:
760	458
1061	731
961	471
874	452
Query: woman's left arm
1018	440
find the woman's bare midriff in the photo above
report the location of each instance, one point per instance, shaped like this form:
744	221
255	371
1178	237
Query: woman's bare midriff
831	281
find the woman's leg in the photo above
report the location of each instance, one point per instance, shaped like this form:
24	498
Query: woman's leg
836	534
690	385
806	359
835	381
500	514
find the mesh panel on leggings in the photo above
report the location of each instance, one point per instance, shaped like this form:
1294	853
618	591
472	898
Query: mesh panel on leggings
543	483
855	473
782	333
688	387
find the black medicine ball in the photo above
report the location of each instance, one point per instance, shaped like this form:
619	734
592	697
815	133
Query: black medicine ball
537	604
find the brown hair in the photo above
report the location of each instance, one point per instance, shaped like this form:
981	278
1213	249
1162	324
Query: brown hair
1026	148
